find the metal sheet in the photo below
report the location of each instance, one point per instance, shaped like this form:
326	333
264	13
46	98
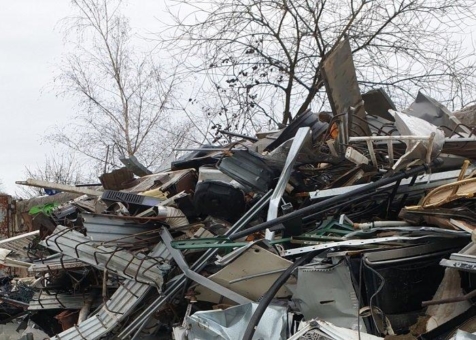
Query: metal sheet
174	287
251	263
123	302
133	164
342	87
166	178
353	243
55	262
230	324
315	329
377	102
432	111
335	300
120	262
43	300
178	258
103	228
462	335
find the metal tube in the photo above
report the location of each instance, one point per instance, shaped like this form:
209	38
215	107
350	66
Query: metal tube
382	138
234	134
468	296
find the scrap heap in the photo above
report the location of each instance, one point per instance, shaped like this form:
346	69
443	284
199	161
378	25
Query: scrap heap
351	224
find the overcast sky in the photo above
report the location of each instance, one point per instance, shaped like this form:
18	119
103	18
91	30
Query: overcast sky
30	48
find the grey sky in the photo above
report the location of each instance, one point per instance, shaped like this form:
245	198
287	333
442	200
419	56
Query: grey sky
30	47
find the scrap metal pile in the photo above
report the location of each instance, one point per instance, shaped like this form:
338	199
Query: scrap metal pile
351	224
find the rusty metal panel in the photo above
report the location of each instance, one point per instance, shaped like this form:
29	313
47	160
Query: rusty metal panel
5	216
342	88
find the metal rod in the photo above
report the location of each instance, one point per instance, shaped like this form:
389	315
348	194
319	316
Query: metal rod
372	138
234	134
468	296
249	277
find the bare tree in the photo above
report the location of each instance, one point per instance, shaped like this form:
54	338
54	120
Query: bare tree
263	59
125	98
57	168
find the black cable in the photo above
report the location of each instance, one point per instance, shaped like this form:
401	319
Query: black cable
269	295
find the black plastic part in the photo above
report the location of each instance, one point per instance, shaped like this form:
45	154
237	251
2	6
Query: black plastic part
249	169
126	197
219	199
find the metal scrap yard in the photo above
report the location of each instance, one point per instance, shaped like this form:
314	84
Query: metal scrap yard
356	223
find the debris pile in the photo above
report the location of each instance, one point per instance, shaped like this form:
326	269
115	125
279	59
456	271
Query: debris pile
351	224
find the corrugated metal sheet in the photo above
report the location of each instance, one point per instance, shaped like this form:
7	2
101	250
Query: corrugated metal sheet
123	263
55	262
43	300
122	303
103	228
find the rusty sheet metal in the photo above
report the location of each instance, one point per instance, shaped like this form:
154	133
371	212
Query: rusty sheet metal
342	88
5	216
